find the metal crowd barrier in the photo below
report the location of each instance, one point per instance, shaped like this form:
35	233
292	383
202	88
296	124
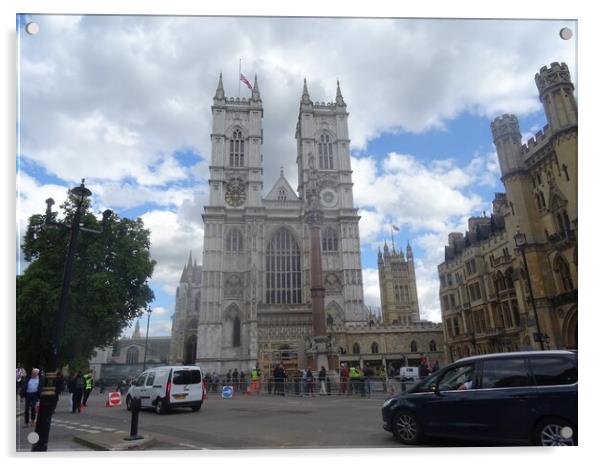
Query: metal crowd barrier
363	387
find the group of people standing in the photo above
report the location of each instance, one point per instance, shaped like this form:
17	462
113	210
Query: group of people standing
29	388
356	380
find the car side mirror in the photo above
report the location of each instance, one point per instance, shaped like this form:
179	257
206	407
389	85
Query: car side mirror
435	389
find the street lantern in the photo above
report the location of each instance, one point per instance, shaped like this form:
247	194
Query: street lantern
49	397
520	239
149	312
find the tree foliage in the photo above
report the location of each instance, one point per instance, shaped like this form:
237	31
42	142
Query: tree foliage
109	284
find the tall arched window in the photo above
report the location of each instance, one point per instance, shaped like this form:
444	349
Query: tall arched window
509	279
356	348
432	346
330	240
132	356
562	269
283	269
325	152
234	241
500	282
236	331
414	346
237	149
374	348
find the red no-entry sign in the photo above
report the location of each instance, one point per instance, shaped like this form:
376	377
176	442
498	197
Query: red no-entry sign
114	399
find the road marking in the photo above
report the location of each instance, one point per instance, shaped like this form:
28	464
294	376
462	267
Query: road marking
187	445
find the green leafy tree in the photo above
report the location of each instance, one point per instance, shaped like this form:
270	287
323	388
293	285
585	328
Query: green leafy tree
108	289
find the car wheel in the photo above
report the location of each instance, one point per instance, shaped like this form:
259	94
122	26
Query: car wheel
554	432
196	407
160	407
406	428
128	403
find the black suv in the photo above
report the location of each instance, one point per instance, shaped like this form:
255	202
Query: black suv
520	398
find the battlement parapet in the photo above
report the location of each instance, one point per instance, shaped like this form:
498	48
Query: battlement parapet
556	75
505	125
534	143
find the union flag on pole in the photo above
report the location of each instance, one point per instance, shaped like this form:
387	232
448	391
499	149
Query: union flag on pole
246	81
395	227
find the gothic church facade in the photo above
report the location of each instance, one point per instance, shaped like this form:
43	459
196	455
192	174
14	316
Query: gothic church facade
251	299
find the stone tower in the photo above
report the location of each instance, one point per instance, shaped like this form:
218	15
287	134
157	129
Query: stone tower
323	146
186	316
398	292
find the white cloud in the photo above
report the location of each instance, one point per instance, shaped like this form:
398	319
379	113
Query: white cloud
112	98
371	288
172	239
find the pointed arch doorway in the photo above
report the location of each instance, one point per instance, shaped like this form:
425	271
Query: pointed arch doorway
190	350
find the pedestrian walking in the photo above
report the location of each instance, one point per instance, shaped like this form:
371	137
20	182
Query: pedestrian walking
345	379
235	380
322	379
77	392
31	389
309	377
21	375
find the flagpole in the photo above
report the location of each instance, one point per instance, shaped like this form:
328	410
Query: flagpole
239	73
392	240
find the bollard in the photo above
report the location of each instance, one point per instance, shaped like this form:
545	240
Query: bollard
135	405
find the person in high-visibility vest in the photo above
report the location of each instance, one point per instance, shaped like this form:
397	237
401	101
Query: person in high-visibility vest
88	384
255	374
354	377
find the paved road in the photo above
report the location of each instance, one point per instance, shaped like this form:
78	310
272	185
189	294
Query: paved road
243	422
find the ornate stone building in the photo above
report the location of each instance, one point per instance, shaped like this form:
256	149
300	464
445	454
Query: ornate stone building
397	280
126	357
252	301
484	288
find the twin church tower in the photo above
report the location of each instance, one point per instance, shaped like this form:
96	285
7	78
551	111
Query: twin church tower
254	297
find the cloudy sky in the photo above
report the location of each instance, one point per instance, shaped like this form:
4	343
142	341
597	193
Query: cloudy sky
124	101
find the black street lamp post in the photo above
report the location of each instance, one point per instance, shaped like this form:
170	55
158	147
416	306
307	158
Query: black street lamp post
521	242
149	312
49	396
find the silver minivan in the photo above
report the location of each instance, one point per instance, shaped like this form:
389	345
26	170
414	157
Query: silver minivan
163	388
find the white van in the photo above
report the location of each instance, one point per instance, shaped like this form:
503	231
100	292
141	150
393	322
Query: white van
408	374
163	388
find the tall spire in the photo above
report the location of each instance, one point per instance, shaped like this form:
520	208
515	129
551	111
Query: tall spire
255	93
339	99
219	92
190	260
409	253
305	97
136	333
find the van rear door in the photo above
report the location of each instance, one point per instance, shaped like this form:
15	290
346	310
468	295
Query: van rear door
186	385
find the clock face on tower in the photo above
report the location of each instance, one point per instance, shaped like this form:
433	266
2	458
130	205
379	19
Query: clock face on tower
328	197
235	192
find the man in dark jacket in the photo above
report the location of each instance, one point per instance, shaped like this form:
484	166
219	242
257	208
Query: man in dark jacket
76	388
31	391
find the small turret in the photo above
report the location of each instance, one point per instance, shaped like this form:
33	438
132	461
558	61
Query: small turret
219	92
380	256
339	99
305	100
409	253
556	94
507	140
386	249
255	97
